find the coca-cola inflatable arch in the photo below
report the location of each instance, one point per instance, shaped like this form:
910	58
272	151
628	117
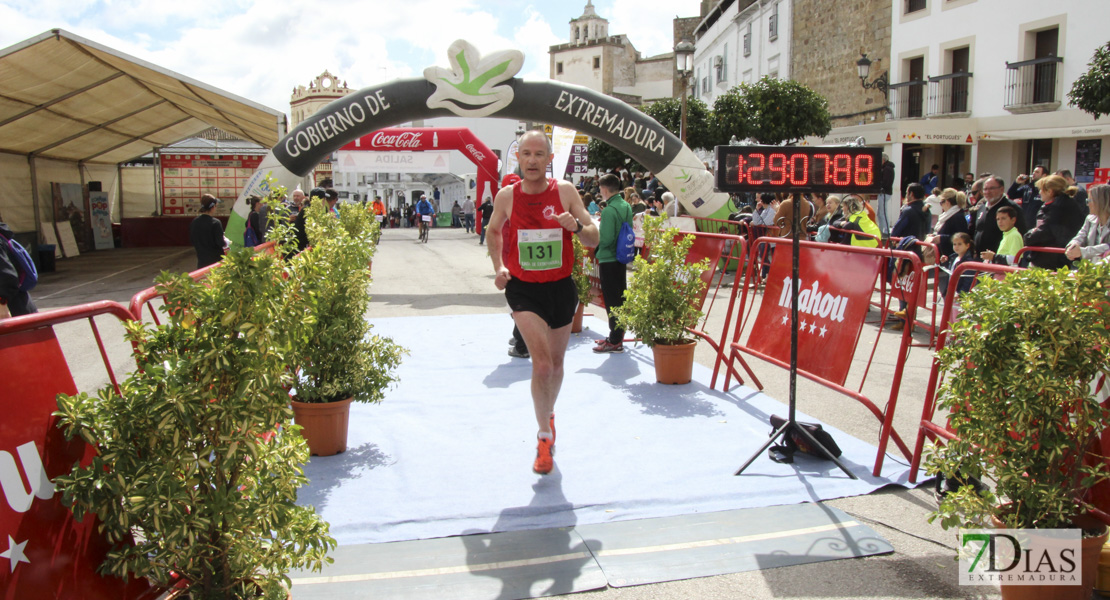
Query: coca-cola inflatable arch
479	85
434	138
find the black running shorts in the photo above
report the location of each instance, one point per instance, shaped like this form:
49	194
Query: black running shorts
554	301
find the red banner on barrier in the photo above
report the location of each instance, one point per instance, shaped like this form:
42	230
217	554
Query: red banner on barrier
835	291
44	552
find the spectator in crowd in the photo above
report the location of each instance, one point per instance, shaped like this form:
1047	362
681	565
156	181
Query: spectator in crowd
333	201
857	220
1093	239
207	233
591	204
1031	201
784	215
930	180
969	179
468	214
1080	195
456	214
1018	188
13	301
670	205
614	275
913	219
299	223
764	213
932	206
952	220
253	233
297	204
963	250
984	228
885	196
1011	244
1058	220
486	210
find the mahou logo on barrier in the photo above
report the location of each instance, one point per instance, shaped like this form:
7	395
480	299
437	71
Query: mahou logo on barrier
834	293
44	551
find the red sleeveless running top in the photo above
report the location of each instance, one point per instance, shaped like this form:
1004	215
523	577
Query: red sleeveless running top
537	248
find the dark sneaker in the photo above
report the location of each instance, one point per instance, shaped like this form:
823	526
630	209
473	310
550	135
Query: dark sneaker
544	462
606	348
513	352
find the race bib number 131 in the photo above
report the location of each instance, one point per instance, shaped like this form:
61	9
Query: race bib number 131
540	249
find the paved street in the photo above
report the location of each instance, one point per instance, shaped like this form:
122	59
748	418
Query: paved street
452	275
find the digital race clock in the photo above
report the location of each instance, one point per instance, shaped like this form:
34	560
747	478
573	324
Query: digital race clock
832	169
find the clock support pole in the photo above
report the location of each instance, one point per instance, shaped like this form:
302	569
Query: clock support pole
791	427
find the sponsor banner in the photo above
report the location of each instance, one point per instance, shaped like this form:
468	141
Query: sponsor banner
395	162
1020	557
562	143
834	293
186	177
101	220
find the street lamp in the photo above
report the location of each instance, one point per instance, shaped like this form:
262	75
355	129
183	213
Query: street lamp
881	83
684	64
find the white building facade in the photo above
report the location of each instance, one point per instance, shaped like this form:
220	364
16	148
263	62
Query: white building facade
981	86
740	41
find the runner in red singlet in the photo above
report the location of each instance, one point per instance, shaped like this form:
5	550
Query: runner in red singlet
532	265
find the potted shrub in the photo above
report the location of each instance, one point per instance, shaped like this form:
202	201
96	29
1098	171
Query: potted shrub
340	360
1019	364
581	275
195	457
661	301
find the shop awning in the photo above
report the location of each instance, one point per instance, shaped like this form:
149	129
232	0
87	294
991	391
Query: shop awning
68	98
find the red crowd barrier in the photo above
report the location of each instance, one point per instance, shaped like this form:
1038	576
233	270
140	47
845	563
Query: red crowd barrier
825	360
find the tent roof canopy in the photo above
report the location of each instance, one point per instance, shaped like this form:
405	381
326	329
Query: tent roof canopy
68	98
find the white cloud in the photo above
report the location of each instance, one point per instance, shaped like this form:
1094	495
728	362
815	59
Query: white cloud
261	49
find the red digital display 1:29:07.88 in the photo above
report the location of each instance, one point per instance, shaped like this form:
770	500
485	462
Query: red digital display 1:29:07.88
799	169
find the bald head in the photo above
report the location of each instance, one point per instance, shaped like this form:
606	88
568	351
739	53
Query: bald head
537	134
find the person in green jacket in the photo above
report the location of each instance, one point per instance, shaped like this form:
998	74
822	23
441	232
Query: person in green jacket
614	276
1011	243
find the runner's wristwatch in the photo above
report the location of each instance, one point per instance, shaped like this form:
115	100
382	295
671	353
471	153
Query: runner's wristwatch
579	225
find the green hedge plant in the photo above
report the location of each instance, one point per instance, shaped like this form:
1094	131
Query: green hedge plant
580	272
661	300
338	356
1019	364
196	457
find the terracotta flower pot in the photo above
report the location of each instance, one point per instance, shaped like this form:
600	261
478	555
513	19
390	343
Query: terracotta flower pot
576	324
674	364
323	425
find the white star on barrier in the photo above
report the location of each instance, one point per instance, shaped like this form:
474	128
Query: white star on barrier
812	327
803	327
823	330
785	319
14	553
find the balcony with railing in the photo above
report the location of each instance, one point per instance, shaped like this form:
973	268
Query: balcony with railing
948	95
907	99
1031	85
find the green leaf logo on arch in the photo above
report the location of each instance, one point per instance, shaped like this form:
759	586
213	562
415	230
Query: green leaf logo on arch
471	87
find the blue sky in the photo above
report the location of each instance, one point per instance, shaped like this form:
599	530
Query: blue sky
262	49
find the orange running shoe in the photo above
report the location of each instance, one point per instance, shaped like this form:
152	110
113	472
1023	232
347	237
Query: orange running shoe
544	462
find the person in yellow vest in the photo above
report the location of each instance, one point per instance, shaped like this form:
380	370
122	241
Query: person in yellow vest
857	219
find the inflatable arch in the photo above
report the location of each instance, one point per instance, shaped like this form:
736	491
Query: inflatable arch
486	86
424	139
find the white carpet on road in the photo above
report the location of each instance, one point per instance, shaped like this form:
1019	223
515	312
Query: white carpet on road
449	451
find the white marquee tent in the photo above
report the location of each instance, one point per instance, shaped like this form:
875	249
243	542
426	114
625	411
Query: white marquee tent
72	111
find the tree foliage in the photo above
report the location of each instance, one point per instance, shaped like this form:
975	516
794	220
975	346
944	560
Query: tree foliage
1091	90
669	114
604	157
771	111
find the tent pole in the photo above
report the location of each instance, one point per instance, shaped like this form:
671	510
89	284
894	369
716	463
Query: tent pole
35	196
